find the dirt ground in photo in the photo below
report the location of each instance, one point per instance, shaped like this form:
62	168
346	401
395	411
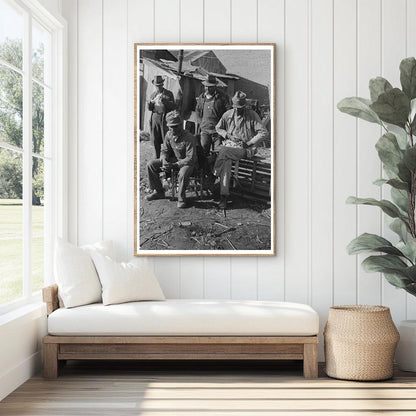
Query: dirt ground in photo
245	225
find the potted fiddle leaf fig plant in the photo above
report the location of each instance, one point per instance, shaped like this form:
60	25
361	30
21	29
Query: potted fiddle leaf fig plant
394	109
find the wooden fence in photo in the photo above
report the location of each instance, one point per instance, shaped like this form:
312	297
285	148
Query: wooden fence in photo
251	178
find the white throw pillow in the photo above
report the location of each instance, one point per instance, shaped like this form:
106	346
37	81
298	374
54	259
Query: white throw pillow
103	247
75	273
126	282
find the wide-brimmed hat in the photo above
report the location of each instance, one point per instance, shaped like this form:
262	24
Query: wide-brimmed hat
158	80
173	118
210	81
239	99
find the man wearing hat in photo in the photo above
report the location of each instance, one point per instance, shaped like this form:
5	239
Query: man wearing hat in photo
242	131
178	152
161	102
210	106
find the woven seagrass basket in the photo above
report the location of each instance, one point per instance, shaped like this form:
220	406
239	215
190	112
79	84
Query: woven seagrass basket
360	341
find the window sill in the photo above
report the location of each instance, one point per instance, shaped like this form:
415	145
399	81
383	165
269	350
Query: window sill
29	308
20	302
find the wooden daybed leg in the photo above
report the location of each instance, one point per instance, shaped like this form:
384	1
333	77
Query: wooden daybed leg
310	360
50	360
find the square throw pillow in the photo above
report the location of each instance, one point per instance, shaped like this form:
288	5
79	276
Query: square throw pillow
126	282
75	273
103	247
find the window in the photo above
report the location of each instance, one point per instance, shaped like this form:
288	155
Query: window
31	140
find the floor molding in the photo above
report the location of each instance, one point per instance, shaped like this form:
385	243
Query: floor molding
11	379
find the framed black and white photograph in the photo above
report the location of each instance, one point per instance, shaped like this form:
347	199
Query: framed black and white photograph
204	163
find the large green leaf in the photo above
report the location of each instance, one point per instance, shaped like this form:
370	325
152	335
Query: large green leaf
394	269
408	77
397	280
389	151
391	174
411	273
404	173
366	243
398	184
401	137
401	199
395	183
410	158
392	107
359	107
380	182
411	289
388	207
400	228
378	86
407	273
408	249
381	263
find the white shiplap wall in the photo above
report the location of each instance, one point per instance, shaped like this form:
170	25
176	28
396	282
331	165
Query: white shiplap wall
326	50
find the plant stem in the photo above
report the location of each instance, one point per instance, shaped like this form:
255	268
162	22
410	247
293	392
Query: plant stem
412	196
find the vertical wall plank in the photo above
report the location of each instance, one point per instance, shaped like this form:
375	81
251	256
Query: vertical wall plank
192	278
345	151
115	52
167	25
243	21
411	28
167	29
90	127
244	29
217	278
369	168
244	278
217	27
321	167
70	12
393	51
296	152
137	11
192	21
411	51
167	273
271	29
192	31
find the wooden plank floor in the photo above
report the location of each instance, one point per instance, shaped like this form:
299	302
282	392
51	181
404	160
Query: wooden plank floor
221	389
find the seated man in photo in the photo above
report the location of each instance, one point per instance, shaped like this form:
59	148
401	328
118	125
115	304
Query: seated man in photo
242	131
178	152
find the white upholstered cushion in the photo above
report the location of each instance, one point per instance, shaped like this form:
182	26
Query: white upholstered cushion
75	273
126	282
187	317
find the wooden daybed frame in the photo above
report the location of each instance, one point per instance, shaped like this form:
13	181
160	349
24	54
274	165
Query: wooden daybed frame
58	349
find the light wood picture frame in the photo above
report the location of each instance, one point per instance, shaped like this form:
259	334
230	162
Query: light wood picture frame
204	150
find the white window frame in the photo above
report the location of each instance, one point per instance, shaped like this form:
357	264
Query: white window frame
58	211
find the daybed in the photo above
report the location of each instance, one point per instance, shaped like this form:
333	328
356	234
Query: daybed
181	329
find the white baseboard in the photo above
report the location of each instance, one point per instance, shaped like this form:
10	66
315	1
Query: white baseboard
10	380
